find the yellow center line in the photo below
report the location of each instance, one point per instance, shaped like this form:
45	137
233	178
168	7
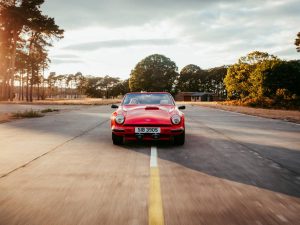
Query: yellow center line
156	215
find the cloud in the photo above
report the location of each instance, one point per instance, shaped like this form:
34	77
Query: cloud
237	29
65	56
90	46
74	14
65	61
116	13
204	32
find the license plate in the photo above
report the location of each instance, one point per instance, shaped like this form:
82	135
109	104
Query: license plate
147	130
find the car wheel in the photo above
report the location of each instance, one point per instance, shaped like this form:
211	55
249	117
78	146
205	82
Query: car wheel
179	139
117	140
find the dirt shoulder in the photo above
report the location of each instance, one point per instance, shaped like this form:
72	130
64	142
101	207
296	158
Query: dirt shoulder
286	115
7	115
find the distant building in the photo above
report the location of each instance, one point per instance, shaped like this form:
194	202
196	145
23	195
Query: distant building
195	96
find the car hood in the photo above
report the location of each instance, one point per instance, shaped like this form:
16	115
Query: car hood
148	114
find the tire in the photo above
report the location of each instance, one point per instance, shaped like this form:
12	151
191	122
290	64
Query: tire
117	140
179	139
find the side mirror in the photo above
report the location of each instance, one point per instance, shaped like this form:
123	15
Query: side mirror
181	107
114	106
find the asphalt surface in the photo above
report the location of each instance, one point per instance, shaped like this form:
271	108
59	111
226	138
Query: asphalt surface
233	169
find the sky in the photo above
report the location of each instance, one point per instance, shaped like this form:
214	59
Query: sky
109	37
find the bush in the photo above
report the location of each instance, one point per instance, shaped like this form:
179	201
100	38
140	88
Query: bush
27	114
262	102
292	102
49	110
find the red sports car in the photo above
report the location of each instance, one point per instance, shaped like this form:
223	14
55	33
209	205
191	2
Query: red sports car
148	116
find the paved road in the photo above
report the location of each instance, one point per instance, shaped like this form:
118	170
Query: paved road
233	169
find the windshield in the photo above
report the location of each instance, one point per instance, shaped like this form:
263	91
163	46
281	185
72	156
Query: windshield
148	99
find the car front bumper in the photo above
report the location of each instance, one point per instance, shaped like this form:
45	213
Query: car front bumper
166	133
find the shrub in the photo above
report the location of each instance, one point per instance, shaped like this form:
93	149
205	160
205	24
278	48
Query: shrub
27	114
49	110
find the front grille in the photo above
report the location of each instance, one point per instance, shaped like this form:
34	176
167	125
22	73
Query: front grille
147	125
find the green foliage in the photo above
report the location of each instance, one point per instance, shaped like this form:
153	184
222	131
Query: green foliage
256	57
237	81
284	75
120	88
27	114
215	81
99	87
75	85
49	110
247	77
92	88
158	73
191	78
154	73
260	79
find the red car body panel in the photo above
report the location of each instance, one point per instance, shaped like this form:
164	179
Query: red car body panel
143	115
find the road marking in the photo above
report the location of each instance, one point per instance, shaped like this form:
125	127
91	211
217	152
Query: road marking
153	158
155	213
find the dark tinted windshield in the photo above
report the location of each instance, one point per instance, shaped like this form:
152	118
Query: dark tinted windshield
148	99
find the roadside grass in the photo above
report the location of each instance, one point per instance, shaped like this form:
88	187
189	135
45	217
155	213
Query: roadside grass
6	117
27	114
49	110
265	103
33	113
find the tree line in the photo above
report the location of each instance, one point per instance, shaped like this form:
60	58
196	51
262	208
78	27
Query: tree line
72	86
257	79
25	35
261	79
159	73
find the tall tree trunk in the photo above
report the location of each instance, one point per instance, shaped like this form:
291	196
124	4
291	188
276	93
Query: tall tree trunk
4	89
22	85
38	91
32	69
38	85
43	92
12	65
61	90
31	84
43	81
72	91
27	84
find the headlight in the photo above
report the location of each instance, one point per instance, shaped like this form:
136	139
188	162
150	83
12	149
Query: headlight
119	119
175	119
